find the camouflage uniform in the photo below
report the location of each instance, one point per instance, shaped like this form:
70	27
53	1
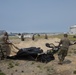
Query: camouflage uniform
4	47
64	49
4	50
22	37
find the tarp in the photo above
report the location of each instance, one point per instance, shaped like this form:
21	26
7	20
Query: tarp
35	54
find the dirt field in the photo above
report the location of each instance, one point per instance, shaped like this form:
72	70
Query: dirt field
25	67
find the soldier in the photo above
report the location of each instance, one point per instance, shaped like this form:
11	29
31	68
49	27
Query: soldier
46	37
63	49
5	45
33	37
22	37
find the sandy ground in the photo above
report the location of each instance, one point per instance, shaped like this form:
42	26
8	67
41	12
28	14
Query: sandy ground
25	67
36	43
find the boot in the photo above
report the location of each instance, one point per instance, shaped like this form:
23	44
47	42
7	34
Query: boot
60	62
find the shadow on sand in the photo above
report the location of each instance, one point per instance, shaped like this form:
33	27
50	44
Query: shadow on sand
67	62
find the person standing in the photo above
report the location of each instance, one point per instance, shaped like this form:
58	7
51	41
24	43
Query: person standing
65	42
46	37
5	45
33	37
22	37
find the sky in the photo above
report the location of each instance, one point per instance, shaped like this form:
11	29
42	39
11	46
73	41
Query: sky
37	15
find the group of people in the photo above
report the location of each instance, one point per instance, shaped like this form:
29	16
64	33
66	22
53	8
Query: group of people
62	53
